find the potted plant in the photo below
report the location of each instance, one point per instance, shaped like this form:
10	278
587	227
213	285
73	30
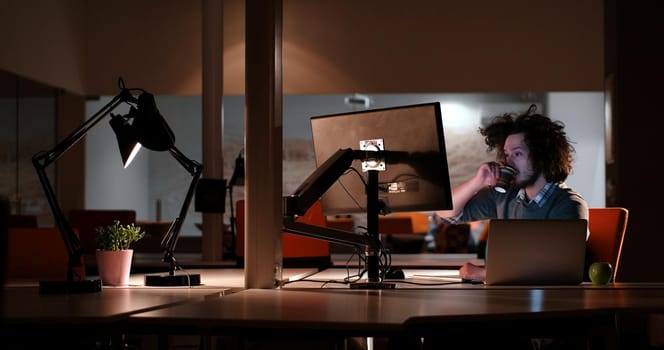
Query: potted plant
114	253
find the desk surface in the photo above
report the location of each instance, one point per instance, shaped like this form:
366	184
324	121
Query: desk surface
335	278
23	303
382	312
227	277
216	308
224	278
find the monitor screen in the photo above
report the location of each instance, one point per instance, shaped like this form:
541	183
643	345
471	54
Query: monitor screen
412	165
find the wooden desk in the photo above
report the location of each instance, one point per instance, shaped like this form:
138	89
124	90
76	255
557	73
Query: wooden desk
333	279
25	305
230	278
78	320
372	312
217	278
307	314
34	320
303	314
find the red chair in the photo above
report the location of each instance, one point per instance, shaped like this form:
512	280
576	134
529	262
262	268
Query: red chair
37	253
297	251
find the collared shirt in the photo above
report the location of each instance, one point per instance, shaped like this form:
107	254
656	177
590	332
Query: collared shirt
540	199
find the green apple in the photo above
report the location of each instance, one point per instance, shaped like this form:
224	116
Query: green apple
600	272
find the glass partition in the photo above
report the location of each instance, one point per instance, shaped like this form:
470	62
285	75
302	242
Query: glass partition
154	186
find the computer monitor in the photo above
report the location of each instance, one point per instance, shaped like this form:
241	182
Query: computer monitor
411	158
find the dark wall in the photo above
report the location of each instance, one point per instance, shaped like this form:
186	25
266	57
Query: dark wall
635	33
4	226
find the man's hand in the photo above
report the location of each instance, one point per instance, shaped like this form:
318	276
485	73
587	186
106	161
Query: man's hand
472	272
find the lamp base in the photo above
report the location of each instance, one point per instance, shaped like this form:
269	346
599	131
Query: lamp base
64	287
173	280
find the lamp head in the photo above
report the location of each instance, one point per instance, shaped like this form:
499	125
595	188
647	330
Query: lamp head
129	146
150	127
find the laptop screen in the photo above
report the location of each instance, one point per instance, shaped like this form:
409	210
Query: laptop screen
536	252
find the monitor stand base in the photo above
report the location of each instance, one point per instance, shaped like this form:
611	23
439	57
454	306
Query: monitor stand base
372	285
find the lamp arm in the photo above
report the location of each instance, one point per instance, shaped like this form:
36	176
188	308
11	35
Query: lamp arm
41	160
46	158
170	239
71	241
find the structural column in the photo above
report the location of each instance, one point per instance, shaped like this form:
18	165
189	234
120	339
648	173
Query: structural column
212	93
263	143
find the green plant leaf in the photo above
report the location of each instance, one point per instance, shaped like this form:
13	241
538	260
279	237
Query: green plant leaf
117	236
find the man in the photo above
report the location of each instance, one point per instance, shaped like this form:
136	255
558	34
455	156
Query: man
538	148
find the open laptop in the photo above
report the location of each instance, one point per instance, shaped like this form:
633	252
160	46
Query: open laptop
536	252
531	252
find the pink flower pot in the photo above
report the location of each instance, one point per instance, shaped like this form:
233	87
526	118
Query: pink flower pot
114	266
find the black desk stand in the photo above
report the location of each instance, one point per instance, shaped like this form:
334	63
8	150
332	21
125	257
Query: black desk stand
373	254
313	188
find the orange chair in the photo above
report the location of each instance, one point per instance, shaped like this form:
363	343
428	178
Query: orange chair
341	223
419	221
607	227
297	251
37	253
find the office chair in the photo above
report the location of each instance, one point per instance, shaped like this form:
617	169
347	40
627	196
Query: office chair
35	253
607	228
297	251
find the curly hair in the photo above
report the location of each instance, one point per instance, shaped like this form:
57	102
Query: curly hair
551	152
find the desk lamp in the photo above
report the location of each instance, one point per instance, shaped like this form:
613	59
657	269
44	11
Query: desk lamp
148	129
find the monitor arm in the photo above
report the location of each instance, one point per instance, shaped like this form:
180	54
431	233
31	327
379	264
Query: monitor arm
331	235
314	187
310	191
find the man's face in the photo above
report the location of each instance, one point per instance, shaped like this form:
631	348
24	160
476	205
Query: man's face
517	156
